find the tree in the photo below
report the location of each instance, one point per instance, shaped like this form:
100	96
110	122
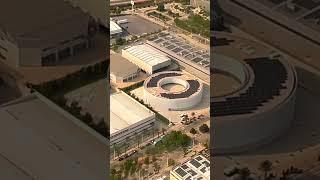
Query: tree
163	131
118	11
120	41
265	166
193	131
161	7
154	158
156	167
244	173
204	128
171	162
87	118
146	160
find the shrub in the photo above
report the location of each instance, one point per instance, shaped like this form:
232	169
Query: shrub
204	128
193	131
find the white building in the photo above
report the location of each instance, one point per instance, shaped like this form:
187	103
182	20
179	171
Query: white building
194	169
146	57
42	141
47	32
122	70
128	118
115	29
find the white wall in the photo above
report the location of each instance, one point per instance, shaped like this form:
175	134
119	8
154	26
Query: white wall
236	134
12	53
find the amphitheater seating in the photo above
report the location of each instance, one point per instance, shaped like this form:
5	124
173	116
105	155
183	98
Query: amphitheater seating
270	77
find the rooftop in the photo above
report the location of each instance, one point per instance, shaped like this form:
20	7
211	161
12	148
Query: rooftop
59	21
147	54
40	142
120	66
196	168
125	111
114	28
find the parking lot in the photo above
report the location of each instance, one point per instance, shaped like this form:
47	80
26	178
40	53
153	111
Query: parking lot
137	25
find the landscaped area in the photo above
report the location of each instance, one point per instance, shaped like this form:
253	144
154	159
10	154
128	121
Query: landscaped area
158	15
55	90
195	24
175	140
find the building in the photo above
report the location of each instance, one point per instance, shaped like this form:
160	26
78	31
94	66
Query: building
115	29
42	141
197	168
121	70
36	40
204	4
98	9
261	107
186	97
146	58
124	3
128	118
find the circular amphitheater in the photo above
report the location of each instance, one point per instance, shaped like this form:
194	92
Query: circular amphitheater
172	90
259	103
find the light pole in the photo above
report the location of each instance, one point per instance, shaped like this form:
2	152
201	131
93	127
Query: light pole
132	9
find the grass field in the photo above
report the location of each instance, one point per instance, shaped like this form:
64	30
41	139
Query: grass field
195	24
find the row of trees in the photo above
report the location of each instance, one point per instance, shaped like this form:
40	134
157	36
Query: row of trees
76	110
55	90
170	142
204	128
75	80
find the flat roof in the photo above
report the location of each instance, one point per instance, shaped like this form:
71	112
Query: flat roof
114	28
195	168
120	66
126	111
42	23
38	142
148	54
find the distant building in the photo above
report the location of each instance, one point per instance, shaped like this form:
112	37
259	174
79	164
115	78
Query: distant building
204	4
41	33
197	168
115	29
121	3
98	9
128	118
146	57
122	70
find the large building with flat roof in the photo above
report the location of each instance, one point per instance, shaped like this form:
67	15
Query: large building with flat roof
197	168
46	33
128	118
122	70
39	140
98	9
148	58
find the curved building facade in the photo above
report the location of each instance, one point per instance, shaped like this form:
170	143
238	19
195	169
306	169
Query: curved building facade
189	96
261	108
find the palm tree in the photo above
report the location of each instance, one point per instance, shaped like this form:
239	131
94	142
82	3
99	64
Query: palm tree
163	130
265	166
